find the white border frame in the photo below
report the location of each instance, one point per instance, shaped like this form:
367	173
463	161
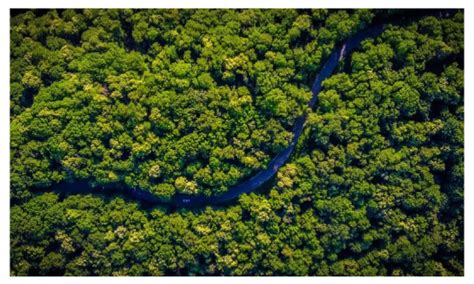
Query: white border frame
5	6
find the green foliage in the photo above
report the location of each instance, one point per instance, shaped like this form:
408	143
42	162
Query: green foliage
194	101
104	95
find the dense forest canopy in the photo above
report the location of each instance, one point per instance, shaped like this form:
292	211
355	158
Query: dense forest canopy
170	101
195	101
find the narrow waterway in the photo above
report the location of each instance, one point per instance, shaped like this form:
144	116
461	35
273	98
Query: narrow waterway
257	180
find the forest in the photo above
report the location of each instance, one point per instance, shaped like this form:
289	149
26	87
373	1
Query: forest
196	101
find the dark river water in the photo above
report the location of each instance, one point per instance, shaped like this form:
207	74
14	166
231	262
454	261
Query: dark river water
260	178
252	183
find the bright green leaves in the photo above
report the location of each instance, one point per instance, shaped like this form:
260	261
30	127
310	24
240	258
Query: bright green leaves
288	103
181	69
415	133
205	81
301	25
185	186
376	58
113	62
406	98
344	24
275	103
330	101
155	171
31	80
380	133
195	101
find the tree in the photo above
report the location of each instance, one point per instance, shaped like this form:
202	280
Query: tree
196	101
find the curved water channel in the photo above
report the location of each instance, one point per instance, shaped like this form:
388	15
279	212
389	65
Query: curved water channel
257	180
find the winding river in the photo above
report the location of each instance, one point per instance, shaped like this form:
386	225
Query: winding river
254	182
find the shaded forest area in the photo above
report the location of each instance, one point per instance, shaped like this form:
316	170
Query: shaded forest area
195	101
